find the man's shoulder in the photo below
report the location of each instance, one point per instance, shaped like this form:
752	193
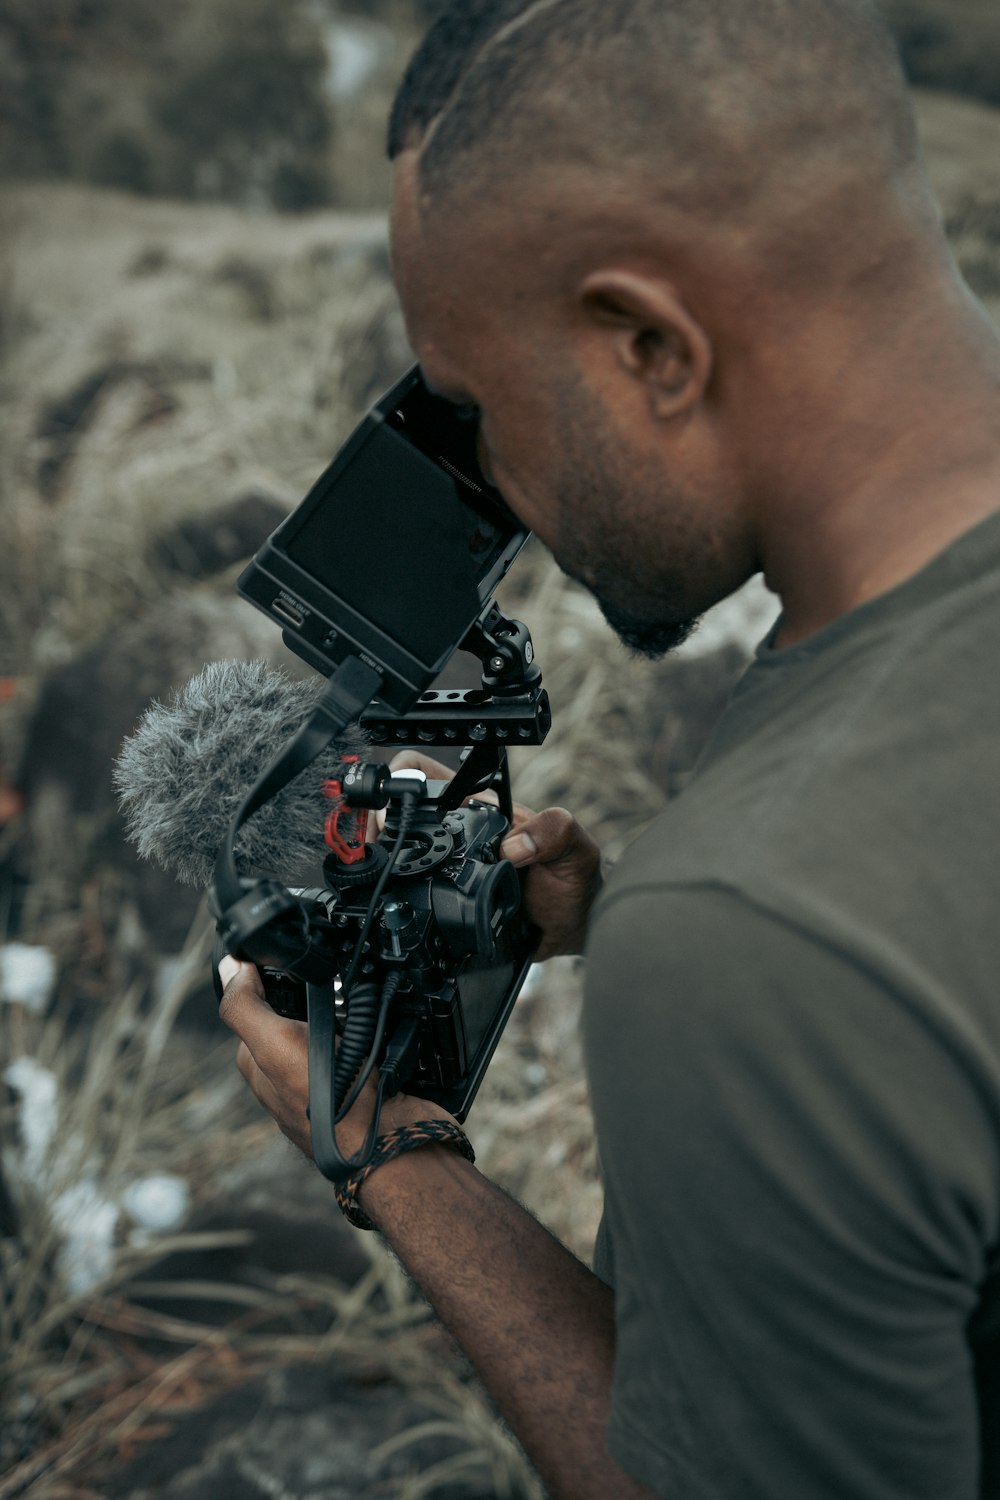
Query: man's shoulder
789	1154
706	1010
847	767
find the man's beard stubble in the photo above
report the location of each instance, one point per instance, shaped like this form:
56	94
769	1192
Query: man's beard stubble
598	477
650	639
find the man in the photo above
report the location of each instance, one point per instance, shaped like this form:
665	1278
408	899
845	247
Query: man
682	257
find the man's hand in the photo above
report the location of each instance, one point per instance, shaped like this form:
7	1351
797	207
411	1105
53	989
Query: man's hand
273	1054
273	1057
562	864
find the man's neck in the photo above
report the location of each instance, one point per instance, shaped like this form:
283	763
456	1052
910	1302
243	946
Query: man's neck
909	463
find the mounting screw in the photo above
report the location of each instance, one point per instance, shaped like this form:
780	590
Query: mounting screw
497	663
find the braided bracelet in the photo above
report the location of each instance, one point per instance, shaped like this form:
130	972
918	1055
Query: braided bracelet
406	1138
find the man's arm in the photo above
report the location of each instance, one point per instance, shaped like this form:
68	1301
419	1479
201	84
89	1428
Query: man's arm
535	1323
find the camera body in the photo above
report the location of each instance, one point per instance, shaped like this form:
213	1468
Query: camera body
448	922
451	921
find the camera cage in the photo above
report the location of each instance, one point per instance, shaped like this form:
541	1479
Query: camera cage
274	926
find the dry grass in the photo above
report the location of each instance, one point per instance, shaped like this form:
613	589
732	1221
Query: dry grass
115	1120
136	395
111	1397
88	1377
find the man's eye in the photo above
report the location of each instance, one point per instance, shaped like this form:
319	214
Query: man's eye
468	413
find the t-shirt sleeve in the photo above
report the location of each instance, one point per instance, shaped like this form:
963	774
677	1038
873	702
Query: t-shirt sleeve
800	1185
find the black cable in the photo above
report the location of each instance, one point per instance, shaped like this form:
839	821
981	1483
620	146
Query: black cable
406	815
322	1073
355	1163
323	1114
357	1038
389	989
322	1063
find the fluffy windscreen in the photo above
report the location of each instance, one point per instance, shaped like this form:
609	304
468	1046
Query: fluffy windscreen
190	762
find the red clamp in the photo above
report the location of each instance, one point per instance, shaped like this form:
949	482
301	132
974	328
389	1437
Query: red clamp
345	827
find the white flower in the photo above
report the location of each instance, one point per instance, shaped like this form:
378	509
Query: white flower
157	1203
27	975
87	1221
38	1115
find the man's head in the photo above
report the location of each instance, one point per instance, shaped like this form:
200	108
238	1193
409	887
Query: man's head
612	225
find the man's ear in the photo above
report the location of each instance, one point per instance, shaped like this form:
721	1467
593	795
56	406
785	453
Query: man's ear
656	340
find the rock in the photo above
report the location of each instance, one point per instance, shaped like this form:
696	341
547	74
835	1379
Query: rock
301	1432
294	1227
198	546
70	824
953	45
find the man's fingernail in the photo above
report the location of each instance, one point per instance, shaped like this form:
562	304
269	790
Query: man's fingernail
520	849
228	969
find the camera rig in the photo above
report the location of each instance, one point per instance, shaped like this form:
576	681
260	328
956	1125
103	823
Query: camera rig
409	958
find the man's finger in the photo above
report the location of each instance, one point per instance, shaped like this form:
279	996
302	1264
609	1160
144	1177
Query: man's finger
542	838
244	1010
520	848
245	1063
260	1085
292	1120
412	760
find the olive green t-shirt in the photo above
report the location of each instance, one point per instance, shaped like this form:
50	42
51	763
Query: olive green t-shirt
792	1034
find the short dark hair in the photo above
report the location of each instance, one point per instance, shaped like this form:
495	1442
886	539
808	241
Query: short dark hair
453	41
703	95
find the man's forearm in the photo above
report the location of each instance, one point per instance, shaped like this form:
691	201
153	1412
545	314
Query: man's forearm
536	1324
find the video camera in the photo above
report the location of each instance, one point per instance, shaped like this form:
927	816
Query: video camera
414	950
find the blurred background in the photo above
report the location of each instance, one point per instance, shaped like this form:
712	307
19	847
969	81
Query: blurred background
195	308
